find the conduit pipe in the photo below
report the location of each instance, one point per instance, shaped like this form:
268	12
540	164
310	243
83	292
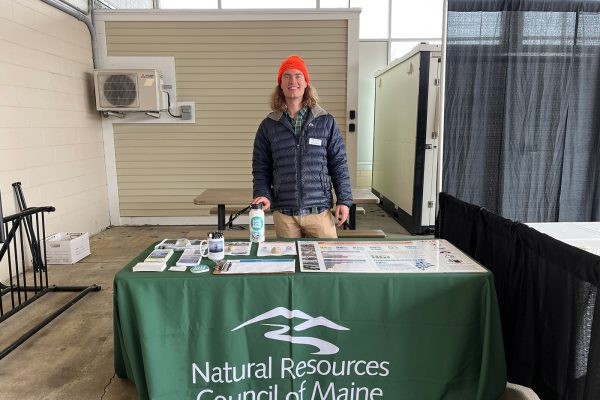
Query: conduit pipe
88	21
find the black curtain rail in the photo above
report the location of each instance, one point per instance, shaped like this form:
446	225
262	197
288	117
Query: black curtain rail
29	211
528	5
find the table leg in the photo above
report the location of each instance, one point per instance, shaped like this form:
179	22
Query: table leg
352	217
221	216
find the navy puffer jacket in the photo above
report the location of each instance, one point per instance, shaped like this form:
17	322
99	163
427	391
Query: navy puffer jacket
298	172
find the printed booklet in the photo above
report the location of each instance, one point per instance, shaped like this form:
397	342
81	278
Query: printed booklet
155	262
180	244
190	258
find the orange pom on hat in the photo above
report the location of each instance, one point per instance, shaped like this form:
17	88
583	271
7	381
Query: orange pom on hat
293	62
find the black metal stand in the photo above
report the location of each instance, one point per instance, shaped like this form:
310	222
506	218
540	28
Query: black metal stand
351	223
20	229
31	236
233	217
221	217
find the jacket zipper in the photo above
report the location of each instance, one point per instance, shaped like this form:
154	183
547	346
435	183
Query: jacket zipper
299	149
307	124
299	165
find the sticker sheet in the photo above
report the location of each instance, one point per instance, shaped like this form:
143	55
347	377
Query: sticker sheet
276	249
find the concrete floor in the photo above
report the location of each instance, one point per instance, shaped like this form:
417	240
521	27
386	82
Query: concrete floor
72	357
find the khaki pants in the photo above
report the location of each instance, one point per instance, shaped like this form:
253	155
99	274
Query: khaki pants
310	225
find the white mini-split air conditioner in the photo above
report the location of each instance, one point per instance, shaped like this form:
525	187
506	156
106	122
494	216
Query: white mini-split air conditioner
128	90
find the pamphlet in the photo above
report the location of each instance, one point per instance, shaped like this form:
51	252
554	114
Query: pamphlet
190	258
149	267
258	266
180	244
155	262
161	255
166	244
237	248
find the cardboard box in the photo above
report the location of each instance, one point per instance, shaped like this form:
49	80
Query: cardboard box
67	247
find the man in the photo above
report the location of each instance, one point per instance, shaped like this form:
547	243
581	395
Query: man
298	154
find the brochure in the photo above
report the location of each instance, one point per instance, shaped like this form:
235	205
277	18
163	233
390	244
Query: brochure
180	244
166	244
237	248
190	258
149	267
258	266
155	262
159	256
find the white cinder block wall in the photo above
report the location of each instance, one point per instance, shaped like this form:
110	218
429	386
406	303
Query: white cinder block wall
50	132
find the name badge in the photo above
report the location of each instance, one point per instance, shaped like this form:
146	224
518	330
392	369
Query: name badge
315	142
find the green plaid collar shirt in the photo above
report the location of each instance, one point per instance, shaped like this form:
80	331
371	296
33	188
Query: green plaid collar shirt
297	123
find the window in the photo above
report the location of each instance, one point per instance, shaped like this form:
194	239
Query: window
481	28
123	4
402	23
548	28
191	4
417	19
335	3
588	29
269	4
374	18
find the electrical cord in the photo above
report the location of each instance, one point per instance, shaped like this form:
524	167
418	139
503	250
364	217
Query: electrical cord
232	218
169	105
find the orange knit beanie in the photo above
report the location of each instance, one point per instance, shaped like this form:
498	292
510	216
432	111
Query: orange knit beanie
293	62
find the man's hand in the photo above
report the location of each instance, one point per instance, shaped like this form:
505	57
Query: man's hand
266	202
341	214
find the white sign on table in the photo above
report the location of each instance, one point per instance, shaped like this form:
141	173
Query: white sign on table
413	256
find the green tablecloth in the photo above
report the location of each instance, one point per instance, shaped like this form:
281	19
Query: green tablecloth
398	336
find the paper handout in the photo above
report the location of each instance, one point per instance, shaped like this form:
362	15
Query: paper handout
256	266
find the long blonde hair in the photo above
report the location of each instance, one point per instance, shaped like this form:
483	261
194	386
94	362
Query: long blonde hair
309	100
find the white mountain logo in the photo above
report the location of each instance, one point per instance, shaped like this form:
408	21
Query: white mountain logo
325	348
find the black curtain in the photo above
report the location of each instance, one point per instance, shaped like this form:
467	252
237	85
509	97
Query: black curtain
547	293
522	119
